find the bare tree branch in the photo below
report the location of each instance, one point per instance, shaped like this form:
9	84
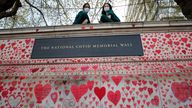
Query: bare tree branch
37	10
100	9
65	13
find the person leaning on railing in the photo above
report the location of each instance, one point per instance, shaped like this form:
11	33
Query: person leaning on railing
108	15
82	17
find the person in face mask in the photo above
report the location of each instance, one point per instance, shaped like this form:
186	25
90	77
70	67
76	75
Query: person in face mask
82	17
108	15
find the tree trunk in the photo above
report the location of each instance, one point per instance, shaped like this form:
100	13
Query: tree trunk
9	4
186	7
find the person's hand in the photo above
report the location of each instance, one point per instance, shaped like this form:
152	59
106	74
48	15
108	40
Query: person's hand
109	16
85	21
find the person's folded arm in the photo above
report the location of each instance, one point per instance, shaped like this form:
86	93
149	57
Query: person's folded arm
81	17
104	18
114	18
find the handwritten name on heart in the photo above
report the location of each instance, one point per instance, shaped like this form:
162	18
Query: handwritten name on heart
100	92
114	97
79	91
180	90
42	91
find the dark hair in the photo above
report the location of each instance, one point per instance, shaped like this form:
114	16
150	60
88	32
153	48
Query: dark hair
103	11
85	5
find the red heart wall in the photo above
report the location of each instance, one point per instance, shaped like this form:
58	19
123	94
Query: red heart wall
160	78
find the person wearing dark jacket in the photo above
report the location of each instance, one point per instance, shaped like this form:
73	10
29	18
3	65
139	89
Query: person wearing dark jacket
82	17
108	15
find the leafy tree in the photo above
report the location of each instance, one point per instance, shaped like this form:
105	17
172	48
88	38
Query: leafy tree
33	13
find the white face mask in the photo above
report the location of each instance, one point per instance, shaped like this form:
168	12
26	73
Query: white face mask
106	9
86	10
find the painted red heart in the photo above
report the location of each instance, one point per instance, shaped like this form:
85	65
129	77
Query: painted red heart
13	44
2	46
14	83
170	42
188	45
176	43
123	99
128	87
116	79
95	67
128	106
54	97
100	92
148	103
76	77
1	88
67	92
14	101
90	84
168	36
150	90
180	66
83	77
134	83
31	105
155	101
154	39
180	90
33	70
27	41
127	81
140	89
73	68
158	51
127	67
84	68
12	89
105	77
152	46
41	92
114	97
66	68
79	91
184	40
4	93
22	77
144	82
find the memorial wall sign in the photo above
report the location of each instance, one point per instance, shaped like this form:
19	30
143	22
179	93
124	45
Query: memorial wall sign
94	46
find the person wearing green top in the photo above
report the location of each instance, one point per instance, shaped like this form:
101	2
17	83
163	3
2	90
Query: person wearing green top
82	17
108	15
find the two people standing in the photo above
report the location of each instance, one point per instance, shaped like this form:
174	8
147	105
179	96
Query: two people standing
107	15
